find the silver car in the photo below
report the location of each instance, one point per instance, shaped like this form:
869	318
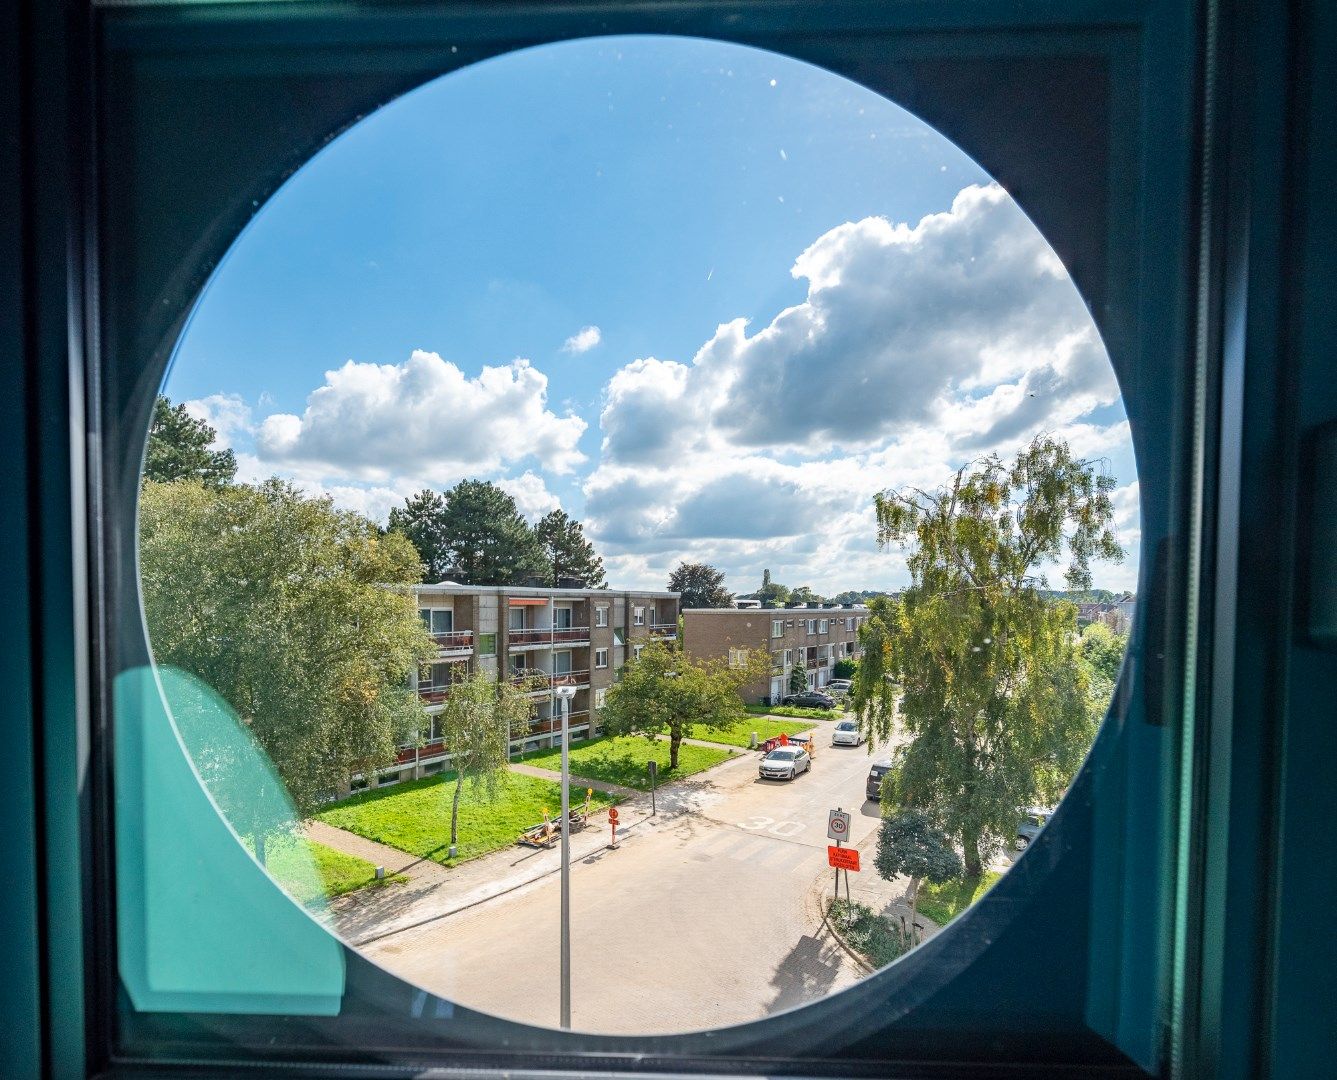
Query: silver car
784	763
847	733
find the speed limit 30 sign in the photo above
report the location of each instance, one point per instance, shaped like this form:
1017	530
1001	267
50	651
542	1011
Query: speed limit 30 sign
838	825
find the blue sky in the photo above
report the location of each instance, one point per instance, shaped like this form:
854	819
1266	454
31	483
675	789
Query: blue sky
706	298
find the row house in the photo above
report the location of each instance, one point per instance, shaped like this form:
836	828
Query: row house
539	637
812	638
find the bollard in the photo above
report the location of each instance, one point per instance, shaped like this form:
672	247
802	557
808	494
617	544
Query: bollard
754	741
380	873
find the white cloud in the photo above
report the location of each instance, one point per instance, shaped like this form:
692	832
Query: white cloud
583	340
372	422
227	414
531	495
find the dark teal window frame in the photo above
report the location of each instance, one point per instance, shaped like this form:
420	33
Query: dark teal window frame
1125	914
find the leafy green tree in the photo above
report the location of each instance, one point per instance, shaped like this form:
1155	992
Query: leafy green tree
179	449
666	692
845	669
479	714
568	552
288	608
1101	651
422	519
486	539
805	595
772	592
798	681
908	843
993	696
701	586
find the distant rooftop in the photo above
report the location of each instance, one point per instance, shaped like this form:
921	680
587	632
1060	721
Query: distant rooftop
531	590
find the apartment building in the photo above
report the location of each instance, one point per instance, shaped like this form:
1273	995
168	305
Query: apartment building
546	637
810	637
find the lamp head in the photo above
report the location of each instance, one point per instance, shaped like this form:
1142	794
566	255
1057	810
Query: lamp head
566	693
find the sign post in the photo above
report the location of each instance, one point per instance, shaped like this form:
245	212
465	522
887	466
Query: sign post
612	821
652	767
838	857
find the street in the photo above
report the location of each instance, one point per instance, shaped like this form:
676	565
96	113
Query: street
707	915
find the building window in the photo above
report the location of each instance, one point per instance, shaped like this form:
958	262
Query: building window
777	628
638	616
600	658
789	658
812	626
636	651
517	618
487	644
437	620
601	615
823	626
849	623
561	618
600	698
737	658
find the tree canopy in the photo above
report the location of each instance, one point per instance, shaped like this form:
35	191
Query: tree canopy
568	553
992	693
701	586
909	843
280	603
667	692
487	539
422	520
178	449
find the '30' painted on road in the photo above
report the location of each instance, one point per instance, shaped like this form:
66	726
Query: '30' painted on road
760	823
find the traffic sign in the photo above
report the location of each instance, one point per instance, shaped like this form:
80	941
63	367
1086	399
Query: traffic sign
843	858
838	825
612	814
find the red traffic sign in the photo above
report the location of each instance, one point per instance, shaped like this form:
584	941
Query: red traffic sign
612	814
784	739
843	858
838	825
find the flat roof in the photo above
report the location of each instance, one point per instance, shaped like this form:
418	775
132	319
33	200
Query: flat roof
769	610
530	590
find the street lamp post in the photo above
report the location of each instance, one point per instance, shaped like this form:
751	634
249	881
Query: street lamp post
564	695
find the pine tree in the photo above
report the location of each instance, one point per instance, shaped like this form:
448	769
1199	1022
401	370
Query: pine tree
569	553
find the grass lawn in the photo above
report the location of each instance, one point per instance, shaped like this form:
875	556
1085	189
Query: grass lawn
790	710
942	903
414	815
338	873
621	759
742	735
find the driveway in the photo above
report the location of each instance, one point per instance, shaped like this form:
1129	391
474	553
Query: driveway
706	915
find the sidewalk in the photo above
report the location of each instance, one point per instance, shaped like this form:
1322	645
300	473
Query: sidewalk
394	860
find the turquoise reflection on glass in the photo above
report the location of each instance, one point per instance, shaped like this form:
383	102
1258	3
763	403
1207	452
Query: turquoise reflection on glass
201	926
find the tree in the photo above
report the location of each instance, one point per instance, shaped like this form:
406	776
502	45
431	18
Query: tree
179	449
772	592
487	540
298	615
909	843
566	550
804	595
992	691
1101	651
798	681
701	586
667	692
422	520
845	669
476	723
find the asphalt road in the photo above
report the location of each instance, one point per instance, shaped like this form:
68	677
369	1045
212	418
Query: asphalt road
701	920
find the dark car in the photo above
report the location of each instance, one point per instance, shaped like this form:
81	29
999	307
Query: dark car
875	775
810	699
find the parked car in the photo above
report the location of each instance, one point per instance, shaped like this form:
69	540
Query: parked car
784	763
1031	824
847	733
875	775
838	688
810	699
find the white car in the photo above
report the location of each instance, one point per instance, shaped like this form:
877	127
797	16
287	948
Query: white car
784	763
839	688
847	733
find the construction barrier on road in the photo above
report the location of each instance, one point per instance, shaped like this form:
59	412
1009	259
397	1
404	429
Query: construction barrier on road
548	831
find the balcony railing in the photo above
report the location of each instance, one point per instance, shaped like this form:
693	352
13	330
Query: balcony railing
664	629
548	635
454	639
544	681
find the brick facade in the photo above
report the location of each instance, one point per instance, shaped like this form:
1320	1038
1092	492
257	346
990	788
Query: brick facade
812	638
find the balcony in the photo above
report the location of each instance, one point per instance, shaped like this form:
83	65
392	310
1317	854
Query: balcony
548	635
433	695
454	641
664	630
546	681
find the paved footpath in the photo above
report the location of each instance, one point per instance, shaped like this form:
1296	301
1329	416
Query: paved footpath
708	914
